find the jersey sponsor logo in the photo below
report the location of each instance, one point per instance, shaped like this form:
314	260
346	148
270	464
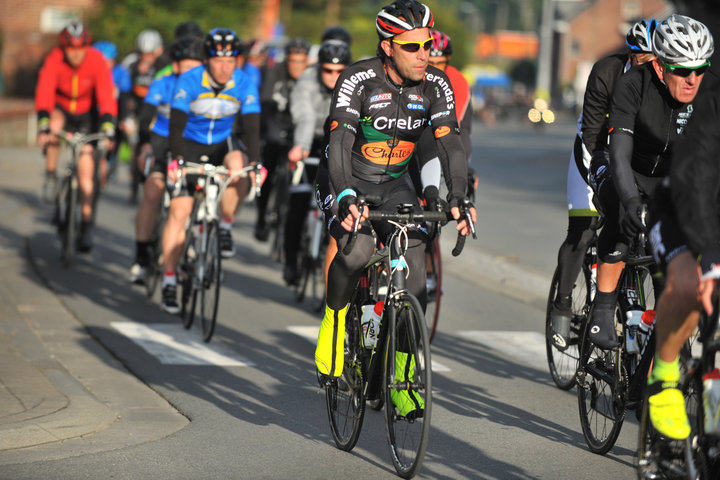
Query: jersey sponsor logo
353	111
446	88
415	98
348	86
350	127
442	131
416	106
380	152
380	96
180	94
384	123
333	125
378	106
250	99
445	113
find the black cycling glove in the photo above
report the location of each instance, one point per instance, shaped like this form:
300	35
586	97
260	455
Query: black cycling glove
344	206
632	224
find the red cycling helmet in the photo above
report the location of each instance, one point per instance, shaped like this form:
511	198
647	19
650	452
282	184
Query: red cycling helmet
401	16
75	34
440	45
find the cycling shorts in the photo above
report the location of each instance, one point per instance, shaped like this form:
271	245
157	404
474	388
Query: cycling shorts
666	238
579	193
83	123
161	149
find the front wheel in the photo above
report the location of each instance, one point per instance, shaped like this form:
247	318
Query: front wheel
210	282
343	396
68	224
600	381
434	286
408	385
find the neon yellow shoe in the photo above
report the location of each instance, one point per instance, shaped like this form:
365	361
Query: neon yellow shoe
667	410
408	402
330	350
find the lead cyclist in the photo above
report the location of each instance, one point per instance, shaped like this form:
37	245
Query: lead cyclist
380	108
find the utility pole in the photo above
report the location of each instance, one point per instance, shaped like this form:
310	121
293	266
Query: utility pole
545	55
332	13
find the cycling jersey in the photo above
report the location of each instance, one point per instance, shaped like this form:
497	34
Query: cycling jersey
691	193
160	95
463	107
375	125
643	110
276	121
211	111
141	80
309	107
75	90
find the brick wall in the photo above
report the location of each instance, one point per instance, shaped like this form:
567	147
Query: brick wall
24	44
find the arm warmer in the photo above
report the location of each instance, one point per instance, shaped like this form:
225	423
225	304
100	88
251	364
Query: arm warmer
340	158
621	150
251	135
178	120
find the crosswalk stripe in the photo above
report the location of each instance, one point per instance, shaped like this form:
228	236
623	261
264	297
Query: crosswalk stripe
527	347
310	333
173	345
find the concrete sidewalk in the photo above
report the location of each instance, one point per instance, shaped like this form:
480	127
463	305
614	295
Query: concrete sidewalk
61	393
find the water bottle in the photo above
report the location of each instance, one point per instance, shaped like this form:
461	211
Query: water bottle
634	319
711	401
647	320
372	314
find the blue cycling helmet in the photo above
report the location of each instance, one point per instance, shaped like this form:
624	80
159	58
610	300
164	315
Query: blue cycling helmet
639	37
107	48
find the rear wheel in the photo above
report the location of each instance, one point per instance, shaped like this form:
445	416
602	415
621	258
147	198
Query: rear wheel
344	398
601	380
408	387
69	220
211	280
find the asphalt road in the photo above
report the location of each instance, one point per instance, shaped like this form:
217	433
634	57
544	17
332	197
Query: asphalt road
253	405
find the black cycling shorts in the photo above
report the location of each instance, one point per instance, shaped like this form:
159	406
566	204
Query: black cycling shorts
666	238
83	123
161	150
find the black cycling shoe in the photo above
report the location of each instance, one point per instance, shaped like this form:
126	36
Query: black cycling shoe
290	274
84	241
602	326
262	232
560	318
169	299
227	247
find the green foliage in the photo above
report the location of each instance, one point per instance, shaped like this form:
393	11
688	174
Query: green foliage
120	21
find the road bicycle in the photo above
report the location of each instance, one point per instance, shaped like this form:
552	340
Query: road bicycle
67	214
200	267
611	382
154	270
311	253
400	359
698	456
563	357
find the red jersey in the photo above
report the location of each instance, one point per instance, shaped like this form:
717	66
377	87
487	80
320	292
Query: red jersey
461	89
75	90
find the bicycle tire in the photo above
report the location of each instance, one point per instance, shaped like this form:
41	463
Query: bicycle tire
302	280
407	368
316	279
344	396
563	363
599	393
432	311
155	263
187	291
70	222
210	282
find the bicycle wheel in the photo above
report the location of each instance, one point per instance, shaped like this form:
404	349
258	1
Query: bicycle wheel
408	386
155	263
601	381
211	280
434	286
188	295
563	362
343	396
316	280
69	222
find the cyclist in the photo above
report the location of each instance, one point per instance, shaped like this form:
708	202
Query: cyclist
204	106
73	80
309	106
380	108
143	64
336	32
186	53
649	110
123	85
684	226
591	140
276	121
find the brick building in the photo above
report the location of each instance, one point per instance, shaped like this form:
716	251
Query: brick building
28	29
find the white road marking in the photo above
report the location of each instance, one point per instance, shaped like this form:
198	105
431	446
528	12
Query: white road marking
527	347
173	345
311	334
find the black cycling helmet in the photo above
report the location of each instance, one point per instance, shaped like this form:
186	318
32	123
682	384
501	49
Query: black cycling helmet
336	32
401	16
297	45
334	51
222	42
187	48
639	37
188	29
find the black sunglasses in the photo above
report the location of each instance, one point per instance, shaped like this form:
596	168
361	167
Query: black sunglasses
681	71
412	47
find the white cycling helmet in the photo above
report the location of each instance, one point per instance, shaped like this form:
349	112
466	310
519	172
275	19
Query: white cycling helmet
682	40
148	41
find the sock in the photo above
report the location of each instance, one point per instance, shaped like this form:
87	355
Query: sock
169	279
665	371
226	224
